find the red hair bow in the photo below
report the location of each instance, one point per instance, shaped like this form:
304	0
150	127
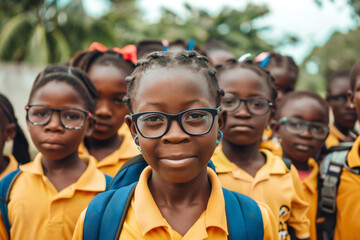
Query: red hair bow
128	52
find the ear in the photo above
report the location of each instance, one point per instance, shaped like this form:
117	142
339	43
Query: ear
131	125
90	128
10	131
222	119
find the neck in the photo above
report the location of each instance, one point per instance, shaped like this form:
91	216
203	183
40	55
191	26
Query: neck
173	194
243	155
71	162
112	142
343	130
299	164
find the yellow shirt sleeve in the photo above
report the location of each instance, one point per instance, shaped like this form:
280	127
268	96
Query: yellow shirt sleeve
79	228
299	207
269	221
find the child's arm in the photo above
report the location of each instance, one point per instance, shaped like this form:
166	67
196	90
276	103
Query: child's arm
270	225
78	232
298	216
3	230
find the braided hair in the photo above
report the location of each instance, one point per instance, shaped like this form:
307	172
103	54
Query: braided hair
280	61
250	65
72	76
20	148
188	59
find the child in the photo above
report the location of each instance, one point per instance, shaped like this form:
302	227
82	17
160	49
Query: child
50	193
302	127
147	46
241	166
107	70
218	53
342	130
176	197
347	201
10	130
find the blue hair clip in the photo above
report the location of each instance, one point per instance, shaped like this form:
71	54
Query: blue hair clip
191	45
265	62
165	44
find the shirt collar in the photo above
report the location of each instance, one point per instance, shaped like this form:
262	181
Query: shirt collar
149	216
91	180
353	158
311	181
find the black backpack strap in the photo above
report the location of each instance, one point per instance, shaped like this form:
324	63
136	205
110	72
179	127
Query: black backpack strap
5	187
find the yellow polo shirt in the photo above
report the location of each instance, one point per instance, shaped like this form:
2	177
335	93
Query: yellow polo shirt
274	184
144	219
310	185
334	138
38	211
111	164
348	207
13	165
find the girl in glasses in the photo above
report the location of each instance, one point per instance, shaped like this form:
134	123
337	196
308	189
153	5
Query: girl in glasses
10	130
345	117
50	192
111	143
174	101
302	129
241	166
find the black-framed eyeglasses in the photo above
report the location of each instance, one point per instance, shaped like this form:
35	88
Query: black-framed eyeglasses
70	118
196	121
297	126
338	100
255	105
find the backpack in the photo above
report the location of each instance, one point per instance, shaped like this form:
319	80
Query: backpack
328	183
107	212
5	187
130	172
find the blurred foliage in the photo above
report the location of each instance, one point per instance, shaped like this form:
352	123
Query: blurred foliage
355	4
339	53
42	32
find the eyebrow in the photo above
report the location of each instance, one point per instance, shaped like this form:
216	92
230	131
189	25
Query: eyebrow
164	104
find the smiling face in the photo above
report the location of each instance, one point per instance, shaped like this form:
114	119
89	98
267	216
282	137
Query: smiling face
53	140
300	147
176	157
242	127
344	115
110	110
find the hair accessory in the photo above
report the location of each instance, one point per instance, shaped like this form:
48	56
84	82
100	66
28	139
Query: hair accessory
191	45
136	140
165	44
263	59
244	57
221	137
128	52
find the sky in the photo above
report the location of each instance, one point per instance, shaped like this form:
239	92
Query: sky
313	25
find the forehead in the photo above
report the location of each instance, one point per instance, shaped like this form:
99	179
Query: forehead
283	78
305	108
244	81
339	85
107	77
220	56
166	86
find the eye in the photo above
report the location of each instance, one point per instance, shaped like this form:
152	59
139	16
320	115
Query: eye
152	118
71	115
118	100
40	112
257	103
228	101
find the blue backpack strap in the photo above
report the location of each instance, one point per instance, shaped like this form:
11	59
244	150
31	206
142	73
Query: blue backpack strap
5	187
103	218
243	216
108	180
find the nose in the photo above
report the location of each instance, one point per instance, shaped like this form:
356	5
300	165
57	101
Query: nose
54	123
306	133
103	109
175	133
242	110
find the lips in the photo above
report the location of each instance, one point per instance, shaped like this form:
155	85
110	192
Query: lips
177	161
241	127
51	144
303	147
102	127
